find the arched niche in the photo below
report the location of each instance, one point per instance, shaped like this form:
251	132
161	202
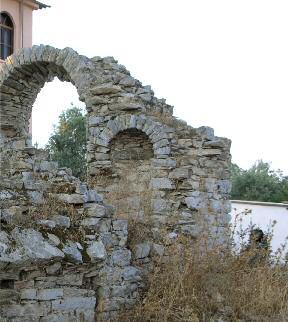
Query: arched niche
128	186
130	146
129	152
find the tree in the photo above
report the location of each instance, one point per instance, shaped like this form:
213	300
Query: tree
67	144
259	183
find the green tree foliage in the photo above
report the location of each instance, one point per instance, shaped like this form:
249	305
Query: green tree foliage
67	144
259	183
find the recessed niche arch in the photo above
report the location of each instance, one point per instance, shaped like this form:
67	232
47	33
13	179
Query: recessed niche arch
131	145
128	187
130	152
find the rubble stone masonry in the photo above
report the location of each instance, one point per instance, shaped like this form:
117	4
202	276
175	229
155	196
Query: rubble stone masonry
63	243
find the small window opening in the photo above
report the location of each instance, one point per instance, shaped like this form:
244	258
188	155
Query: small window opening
6	36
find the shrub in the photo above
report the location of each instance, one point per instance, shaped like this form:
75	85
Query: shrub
67	145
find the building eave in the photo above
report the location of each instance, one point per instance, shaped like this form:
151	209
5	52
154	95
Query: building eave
41	5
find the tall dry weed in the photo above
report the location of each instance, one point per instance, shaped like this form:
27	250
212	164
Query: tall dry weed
192	284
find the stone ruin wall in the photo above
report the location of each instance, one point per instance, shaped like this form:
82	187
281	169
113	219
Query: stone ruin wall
63	257
74	264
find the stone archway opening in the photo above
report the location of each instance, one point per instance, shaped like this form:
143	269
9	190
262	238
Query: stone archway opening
24	74
19	92
54	98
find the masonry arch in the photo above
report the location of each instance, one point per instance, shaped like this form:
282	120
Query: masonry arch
130	146
25	73
128	151
104	130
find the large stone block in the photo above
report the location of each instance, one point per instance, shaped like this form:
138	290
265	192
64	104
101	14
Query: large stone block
74	303
49	294
96	251
162	183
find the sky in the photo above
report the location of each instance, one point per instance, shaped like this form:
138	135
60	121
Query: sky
222	64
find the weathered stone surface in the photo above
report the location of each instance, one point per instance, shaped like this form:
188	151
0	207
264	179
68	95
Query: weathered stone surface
90	222
224	186
106	89
169	163
207	132
53	269
35	197
131	274
180	173
28	312
141	250
48	166
96	210
62	221
96	251
57	317
49	294
8	297
72	279
29	294
160	206
71	250
73	303
120	225
121	257
195	202
47	223
92	196
162	183
53	239
26	240
71	199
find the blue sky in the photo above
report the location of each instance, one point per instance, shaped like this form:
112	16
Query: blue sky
219	63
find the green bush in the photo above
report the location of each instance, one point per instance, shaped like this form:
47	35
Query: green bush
67	145
259	183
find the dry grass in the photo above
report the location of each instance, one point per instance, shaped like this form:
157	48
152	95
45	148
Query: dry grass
139	231
168	120
53	206
50	206
213	285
